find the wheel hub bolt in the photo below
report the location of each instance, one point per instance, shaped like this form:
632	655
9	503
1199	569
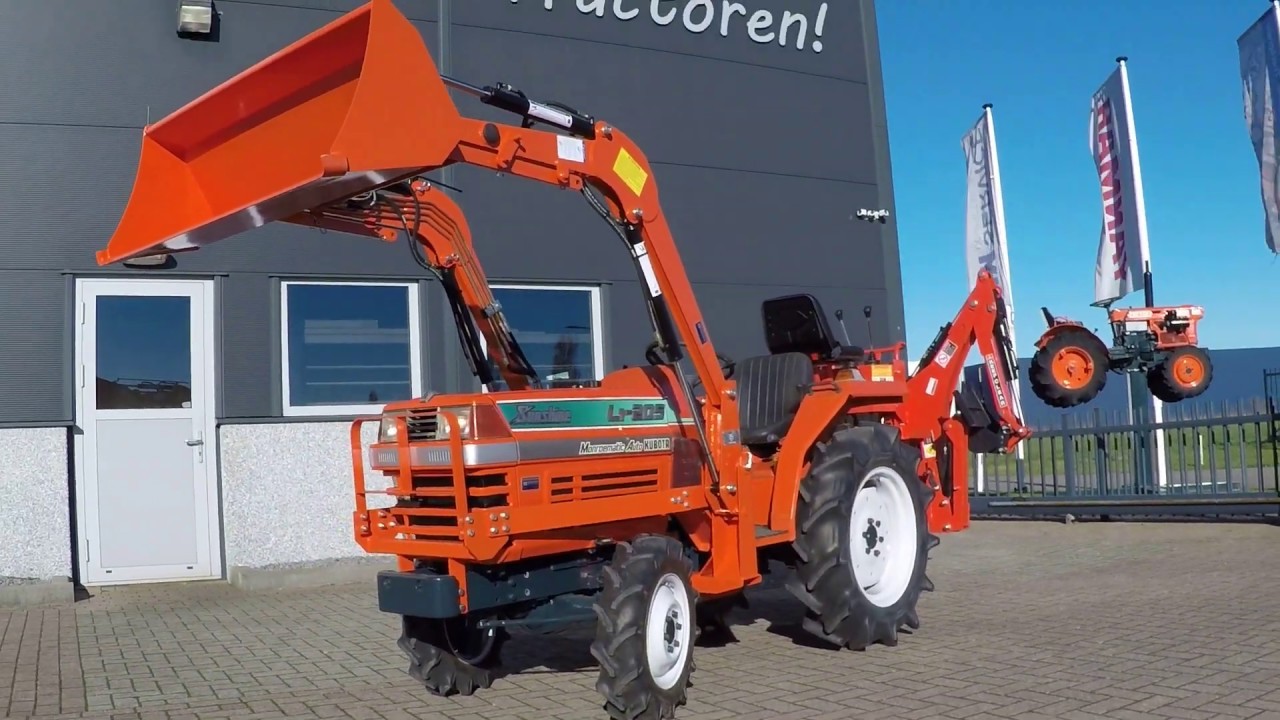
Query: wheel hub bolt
670	628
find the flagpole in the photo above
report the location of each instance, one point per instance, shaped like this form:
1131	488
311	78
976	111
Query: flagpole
997	197
1139	394
1139	199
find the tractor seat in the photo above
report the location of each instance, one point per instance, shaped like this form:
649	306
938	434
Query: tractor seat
770	388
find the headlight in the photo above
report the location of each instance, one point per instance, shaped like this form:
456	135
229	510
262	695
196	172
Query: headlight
387	429
463	414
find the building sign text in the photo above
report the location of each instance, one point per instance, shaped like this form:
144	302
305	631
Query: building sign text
785	27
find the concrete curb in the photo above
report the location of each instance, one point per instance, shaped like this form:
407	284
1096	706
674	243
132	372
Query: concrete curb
337	573
56	591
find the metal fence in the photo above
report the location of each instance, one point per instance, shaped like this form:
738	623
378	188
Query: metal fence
1220	459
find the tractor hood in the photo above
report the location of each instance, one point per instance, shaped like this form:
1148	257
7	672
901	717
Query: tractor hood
350	107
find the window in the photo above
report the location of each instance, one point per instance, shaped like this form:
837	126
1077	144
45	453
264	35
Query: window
143	352
558	327
348	348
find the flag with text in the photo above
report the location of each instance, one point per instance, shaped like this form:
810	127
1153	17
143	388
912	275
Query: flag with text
1121	247
984	216
1259	48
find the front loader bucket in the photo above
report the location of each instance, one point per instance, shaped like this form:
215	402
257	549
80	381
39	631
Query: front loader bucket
352	106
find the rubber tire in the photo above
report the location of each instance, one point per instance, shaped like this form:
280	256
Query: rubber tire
714	614
1162	384
1048	390
836	610
622	608
434	664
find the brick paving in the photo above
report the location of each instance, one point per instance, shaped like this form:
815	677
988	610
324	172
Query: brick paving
1030	620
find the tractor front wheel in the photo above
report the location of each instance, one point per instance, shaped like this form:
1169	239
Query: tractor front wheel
862	540
1184	373
647	627
1071	368
451	657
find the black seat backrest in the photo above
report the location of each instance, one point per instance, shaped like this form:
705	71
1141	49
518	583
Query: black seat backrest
770	388
796	323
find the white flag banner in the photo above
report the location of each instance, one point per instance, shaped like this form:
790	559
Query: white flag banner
1260	75
1122	253
984	216
984	241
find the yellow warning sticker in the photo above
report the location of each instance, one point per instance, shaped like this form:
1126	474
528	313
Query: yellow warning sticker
882	373
630	172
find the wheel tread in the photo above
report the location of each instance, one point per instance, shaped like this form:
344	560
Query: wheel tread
1047	389
619	646
1162	384
436	668
836	612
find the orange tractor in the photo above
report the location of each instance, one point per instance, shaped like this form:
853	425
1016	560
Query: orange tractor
646	502
1071	363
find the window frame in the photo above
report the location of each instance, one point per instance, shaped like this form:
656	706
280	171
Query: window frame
415	349
597	319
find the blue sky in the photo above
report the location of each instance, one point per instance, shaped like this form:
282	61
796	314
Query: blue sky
1038	63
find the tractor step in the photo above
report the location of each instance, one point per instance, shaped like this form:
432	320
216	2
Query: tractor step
764	531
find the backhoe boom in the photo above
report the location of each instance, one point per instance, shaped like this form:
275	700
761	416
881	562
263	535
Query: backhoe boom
981	321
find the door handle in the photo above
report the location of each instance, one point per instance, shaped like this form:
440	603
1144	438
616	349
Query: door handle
197	442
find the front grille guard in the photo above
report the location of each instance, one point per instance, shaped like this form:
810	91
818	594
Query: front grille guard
392	530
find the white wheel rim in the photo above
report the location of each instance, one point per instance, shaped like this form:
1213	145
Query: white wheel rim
883	536
668	631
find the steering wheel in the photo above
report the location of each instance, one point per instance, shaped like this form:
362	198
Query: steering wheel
654	356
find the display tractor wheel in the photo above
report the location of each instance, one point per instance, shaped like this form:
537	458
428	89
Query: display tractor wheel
451	657
862	541
1184	373
1071	368
646	630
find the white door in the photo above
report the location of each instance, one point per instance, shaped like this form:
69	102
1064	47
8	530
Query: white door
146	489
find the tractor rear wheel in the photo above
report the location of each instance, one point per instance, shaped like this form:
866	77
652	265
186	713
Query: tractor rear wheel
862	540
1071	368
451	657
1184	373
647	627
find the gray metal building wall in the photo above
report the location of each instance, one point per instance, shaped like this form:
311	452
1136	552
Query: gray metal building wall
764	154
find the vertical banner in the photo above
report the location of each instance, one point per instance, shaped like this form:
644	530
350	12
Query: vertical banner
1124	256
984	235
1122	248
1259	48
984	210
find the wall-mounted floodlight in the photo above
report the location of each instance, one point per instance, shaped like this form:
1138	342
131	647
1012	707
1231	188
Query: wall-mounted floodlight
163	261
196	18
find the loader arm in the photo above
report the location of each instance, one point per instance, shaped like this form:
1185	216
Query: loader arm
440	239
981	321
359	105
603	159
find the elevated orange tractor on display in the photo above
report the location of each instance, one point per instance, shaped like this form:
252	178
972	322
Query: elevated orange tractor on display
645	502
1071	363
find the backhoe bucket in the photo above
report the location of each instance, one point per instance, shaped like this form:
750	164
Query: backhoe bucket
352	106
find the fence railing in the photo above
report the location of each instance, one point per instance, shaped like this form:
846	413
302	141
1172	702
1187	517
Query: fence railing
1219	459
